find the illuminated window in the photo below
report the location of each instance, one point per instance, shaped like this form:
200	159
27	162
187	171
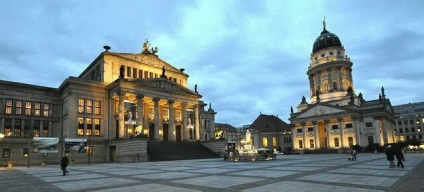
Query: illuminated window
89	106
336	142
80	126
18	125
28	108
8	127
264	142
89	126
81	105
37	109
177	116
36	128
46	109
9	104
165	114
350	141
97	127
274	141
311	143
300	144
151	113
18	109
97	107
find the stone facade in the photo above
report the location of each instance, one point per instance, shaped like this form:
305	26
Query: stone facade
117	97
337	118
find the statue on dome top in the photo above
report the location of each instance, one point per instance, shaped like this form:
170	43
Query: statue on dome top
146	46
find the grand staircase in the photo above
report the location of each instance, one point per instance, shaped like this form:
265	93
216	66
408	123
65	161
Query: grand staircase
178	150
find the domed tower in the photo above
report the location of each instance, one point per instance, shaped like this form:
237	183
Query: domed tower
330	70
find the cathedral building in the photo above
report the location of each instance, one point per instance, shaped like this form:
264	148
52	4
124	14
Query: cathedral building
336	116
117	97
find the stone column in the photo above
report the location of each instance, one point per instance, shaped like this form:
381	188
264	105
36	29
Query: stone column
341	132
121	115
111	119
327	130
140	110
316	135
377	130
171	129
184	120
356	129
303	135
197	122
156	104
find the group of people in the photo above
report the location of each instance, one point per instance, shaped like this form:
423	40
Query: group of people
351	153
391	153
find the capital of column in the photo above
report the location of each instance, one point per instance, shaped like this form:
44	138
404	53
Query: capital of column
170	102
156	99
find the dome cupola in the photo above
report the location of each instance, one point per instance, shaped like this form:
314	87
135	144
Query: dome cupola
326	39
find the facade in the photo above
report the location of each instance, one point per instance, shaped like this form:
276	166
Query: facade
269	131
336	117
409	121
117	97
227	132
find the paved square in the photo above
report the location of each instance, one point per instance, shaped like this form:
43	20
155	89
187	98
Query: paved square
321	172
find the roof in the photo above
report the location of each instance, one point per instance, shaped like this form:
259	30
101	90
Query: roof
326	39
269	123
225	127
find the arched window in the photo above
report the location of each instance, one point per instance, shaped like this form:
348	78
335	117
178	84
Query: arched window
264	142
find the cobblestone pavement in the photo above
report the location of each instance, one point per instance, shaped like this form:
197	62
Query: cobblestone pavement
323	172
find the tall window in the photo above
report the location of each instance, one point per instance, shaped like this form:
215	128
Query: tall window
89	126
140	74
8	127
80	126
9	104
336	142
334	85
134	73
97	107
37	109
28	108
350	140
45	128
97	127
300	144
177	116
36	128
165	115
287	140
274	141
46	109
89	108
81	105
18	126
18	109
310	129
311	143
128	71
299	130
27	128
264	142
146	74
151	113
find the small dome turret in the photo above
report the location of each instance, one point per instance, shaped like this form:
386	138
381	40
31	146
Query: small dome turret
326	39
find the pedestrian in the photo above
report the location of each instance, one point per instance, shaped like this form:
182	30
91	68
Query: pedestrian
64	163
400	158
354	154
390	154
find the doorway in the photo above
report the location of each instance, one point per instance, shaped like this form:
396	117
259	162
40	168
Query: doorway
178	133
165	132
151	131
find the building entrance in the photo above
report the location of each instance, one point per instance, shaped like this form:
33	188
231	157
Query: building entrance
151	131
178	133
165	132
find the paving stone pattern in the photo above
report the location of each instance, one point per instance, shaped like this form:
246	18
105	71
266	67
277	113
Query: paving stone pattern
323	172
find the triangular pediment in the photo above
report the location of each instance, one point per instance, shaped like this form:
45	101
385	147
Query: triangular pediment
320	110
148	59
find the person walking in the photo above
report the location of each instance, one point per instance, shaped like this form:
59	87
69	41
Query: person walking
390	154
399	156
64	163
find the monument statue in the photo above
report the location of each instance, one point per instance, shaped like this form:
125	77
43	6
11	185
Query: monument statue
146	46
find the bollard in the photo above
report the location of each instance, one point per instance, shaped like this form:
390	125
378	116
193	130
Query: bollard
10	165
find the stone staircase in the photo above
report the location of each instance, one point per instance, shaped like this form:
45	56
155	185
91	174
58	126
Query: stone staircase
178	150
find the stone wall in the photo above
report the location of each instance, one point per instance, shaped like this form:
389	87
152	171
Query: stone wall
130	150
216	146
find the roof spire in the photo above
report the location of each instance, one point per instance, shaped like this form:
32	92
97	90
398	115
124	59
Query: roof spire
324	25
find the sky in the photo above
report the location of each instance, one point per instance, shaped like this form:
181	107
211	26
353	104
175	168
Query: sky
247	57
